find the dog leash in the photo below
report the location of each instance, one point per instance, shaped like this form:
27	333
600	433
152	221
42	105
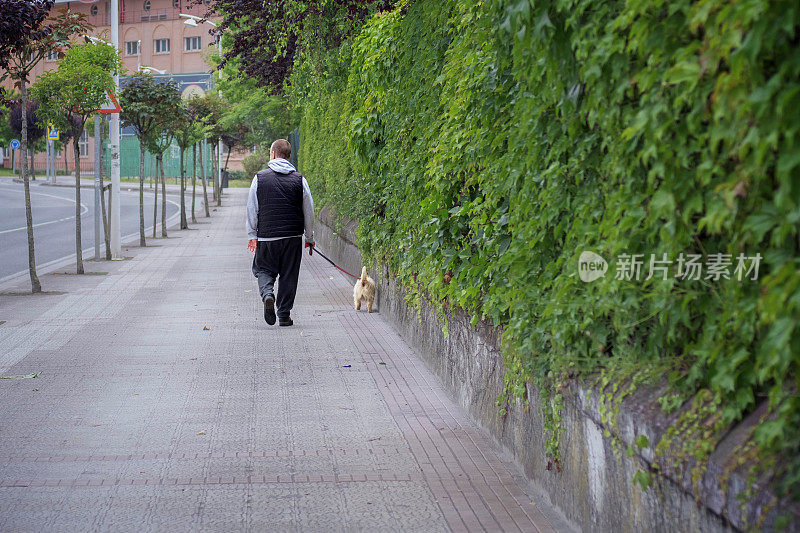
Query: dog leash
310	248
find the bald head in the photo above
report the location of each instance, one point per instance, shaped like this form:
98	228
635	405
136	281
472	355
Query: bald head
280	149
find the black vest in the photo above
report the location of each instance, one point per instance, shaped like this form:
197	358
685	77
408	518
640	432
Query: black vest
280	204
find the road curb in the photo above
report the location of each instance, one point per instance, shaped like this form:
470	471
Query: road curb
125	187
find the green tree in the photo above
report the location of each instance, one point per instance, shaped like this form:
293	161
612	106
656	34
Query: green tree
144	102
270	36
201	109
26	35
262	117
187	133
166	125
211	108
69	95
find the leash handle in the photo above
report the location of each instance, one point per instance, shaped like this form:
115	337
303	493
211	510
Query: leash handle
310	247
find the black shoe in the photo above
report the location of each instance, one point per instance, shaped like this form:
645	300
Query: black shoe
285	322
269	310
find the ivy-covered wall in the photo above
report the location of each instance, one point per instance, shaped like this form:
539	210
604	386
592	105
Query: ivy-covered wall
483	146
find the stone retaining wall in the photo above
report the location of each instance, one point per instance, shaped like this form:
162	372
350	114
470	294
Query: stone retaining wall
595	487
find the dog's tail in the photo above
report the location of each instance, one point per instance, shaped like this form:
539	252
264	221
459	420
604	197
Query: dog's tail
363	276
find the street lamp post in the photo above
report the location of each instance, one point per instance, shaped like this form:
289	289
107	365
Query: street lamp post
145	68
115	230
192	20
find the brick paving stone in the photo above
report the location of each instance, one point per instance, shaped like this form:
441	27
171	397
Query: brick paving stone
142	420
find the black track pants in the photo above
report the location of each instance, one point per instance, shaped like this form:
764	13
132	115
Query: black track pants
279	260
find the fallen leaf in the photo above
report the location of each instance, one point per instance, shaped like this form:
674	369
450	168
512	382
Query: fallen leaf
202	433
206	328
381	363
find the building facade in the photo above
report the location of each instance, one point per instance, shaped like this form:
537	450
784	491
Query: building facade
152	34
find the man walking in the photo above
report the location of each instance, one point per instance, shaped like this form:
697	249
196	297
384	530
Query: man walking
279	210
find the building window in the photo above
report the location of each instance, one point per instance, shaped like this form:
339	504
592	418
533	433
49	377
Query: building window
52	55
94	10
191	43
131	48
83	144
161	46
147	5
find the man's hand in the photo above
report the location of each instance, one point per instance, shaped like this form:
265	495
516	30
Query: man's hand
309	244
251	245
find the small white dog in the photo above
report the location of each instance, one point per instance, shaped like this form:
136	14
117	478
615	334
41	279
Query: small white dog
364	289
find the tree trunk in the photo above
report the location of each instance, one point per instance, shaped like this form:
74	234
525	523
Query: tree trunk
106	234
203	178
35	285
142	241
219	177
214	174
163	202
184	224
78	254
155	200
33	167
194	178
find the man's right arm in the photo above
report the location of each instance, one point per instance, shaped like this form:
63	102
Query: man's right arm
308	213
252	210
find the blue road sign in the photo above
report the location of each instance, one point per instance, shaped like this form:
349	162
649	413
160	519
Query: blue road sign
14	144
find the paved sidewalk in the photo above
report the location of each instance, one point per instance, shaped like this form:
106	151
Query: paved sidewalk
143	420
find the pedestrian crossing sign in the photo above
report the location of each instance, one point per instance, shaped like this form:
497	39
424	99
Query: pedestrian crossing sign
52	132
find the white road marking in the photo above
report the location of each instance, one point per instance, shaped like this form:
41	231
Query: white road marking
48	267
84	210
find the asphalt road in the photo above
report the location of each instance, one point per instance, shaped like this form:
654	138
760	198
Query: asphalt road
54	223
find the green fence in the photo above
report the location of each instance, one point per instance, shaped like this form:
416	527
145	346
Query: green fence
129	160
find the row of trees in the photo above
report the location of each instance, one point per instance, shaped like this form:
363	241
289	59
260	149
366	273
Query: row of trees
160	118
69	95
246	116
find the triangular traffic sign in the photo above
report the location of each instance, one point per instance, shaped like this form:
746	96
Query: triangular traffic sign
111	105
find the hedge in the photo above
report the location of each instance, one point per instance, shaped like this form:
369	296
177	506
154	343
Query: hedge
485	145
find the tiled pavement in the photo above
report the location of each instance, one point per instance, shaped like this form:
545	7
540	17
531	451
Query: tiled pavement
142	419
